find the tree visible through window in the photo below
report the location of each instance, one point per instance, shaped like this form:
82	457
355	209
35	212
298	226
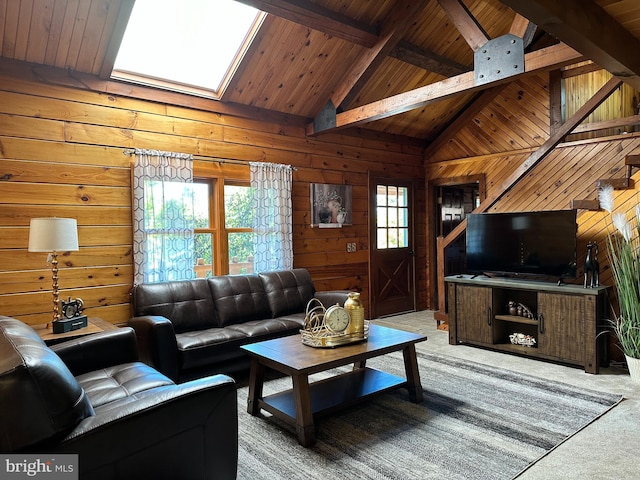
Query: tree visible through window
238	224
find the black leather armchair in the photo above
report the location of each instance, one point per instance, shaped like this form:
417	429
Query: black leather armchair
123	418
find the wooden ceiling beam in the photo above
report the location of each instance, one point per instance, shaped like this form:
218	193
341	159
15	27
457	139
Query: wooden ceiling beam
393	29
588	28
465	22
524	28
318	18
310	15
432	62
544	59
520	27
120	25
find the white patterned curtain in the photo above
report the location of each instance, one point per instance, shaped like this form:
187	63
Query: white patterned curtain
163	217
272	228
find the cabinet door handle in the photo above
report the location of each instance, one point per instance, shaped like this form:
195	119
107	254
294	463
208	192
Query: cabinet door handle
489	315
541	323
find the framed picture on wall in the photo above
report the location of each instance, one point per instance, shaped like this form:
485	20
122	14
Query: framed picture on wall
330	205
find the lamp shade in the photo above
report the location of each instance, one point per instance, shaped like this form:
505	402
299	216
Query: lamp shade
53	234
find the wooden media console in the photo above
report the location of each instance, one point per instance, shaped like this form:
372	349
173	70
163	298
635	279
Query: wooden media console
566	321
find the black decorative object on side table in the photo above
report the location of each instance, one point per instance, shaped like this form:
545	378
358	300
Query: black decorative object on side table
71	318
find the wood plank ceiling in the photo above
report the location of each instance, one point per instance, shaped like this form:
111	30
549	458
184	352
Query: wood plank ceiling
403	67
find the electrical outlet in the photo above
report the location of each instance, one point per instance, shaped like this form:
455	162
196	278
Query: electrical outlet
351	247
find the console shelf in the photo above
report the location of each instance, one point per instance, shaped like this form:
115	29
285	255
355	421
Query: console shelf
516	319
567	319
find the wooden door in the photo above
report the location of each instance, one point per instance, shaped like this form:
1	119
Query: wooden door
474	314
391	263
561	327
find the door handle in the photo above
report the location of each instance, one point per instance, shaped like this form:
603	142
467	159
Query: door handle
489	315
541	323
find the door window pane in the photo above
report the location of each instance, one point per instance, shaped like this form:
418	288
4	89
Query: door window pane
403	237
403	217
392	196
381	195
402	197
382	238
381	217
392	214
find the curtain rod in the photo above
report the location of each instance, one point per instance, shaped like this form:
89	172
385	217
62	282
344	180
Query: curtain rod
131	151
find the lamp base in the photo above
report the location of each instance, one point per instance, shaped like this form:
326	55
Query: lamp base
69	324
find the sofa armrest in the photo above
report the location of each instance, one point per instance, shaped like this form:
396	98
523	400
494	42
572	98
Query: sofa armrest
98	350
157	345
188	430
331	297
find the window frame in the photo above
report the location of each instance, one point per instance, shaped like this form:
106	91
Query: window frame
217	215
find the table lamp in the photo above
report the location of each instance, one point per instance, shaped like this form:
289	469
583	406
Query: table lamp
53	235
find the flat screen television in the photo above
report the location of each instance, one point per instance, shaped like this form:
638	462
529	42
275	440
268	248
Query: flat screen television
522	243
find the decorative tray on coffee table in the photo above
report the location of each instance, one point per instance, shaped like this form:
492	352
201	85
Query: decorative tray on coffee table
316	333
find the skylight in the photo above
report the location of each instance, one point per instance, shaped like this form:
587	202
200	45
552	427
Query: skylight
191	45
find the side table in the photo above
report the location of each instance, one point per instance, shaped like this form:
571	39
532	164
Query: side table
94	325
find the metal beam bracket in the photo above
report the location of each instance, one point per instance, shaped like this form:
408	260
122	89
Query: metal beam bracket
326	119
499	58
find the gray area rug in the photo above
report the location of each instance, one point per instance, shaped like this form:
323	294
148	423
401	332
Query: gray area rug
476	422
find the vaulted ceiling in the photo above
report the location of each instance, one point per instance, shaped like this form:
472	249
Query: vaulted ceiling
404	67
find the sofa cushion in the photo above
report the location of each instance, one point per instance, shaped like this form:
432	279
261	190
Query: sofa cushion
202	348
239	298
288	291
39	397
120	383
265	329
187	303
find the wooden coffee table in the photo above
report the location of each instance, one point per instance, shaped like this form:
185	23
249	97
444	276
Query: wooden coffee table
306	401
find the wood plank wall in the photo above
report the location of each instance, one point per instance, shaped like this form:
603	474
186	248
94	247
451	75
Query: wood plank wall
624	102
61	154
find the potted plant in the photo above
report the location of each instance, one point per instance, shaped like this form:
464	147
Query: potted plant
624	259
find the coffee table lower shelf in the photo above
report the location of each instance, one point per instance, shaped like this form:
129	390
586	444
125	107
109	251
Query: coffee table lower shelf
307	400
333	393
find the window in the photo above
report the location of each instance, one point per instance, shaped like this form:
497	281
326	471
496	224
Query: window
238	208
392	217
223	227
192	46
163	216
205	228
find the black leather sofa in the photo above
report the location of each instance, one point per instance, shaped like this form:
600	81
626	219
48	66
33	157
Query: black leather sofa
123	418
190	328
